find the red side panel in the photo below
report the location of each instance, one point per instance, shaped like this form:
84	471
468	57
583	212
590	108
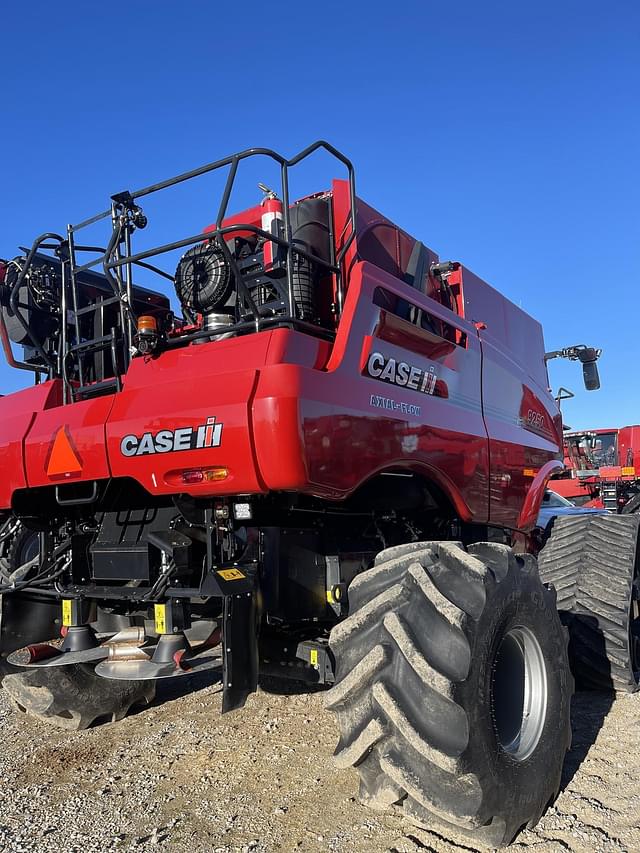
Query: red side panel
522	418
83	431
333	429
522	431
279	440
17	412
533	500
182	390
629	450
570	488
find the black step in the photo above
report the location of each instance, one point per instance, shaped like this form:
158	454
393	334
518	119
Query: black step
95	389
103	342
88	309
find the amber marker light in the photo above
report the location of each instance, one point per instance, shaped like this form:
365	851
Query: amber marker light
204	475
147	324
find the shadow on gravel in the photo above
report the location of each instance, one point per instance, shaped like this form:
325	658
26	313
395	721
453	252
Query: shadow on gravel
589	707
168	689
287	686
589	710
173	688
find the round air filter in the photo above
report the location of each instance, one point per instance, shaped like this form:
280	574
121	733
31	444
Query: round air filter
203	279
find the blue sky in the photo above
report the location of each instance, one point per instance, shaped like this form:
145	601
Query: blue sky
505	135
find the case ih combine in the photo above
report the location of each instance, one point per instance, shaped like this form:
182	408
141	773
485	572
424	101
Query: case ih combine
326	467
601	469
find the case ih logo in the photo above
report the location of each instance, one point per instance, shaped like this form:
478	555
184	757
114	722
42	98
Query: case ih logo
169	440
400	373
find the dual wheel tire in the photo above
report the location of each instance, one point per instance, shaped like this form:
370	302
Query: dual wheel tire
69	697
74	697
453	688
594	563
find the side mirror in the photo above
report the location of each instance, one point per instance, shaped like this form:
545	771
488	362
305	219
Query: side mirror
590	370
588	356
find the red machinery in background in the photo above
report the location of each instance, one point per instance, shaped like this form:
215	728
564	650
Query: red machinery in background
602	468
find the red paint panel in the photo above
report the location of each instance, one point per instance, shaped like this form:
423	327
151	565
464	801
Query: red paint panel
570	488
250	216
522	422
12	430
533	500
17	411
297	348
629	448
515	332
279	441
327	418
179	390
84	424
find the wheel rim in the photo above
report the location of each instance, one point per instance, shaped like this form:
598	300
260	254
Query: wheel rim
519	693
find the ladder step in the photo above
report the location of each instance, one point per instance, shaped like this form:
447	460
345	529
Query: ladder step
88	309
94	389
101	343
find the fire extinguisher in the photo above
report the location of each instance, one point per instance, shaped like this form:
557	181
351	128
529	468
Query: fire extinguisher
272	219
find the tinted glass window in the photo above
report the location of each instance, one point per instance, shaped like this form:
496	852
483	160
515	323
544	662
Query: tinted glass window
605	451
418	316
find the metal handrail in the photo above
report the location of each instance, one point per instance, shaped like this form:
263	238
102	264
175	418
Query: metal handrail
233	162
13	298
111	259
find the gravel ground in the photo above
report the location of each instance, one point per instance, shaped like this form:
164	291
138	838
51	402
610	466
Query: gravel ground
177	776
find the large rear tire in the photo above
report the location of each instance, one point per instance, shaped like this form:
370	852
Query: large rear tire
593	562
74	697
453	688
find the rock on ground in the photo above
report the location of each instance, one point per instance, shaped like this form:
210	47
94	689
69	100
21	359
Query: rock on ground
177	776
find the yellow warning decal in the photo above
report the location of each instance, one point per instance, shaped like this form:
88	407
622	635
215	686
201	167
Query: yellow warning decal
628	472
66	613
313	657
160	616
529	472
232	574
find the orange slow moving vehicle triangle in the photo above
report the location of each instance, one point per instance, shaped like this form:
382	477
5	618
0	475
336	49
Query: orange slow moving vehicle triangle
63	459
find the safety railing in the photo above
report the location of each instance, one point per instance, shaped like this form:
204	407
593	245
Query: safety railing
117	260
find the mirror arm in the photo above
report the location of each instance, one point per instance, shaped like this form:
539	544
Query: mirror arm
578	352
588	356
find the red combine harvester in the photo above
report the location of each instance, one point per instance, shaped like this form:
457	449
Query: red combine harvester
602	468
327	467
